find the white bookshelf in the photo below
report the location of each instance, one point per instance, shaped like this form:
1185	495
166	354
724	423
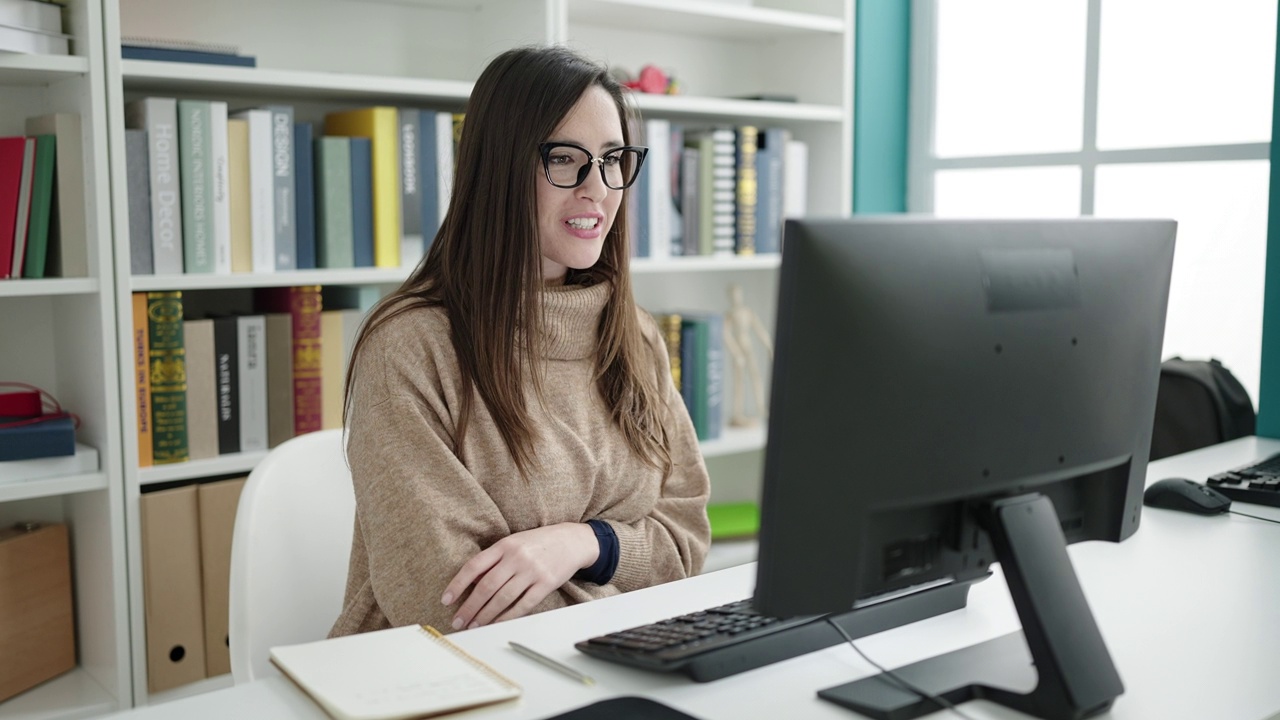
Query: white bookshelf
427	53
59	334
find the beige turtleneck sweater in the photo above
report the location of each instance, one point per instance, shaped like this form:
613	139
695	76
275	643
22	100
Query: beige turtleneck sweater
422	510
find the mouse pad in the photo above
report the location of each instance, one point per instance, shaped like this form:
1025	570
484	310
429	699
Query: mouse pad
624	708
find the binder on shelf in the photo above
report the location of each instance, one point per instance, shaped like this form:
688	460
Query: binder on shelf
218	502
172	587
37	635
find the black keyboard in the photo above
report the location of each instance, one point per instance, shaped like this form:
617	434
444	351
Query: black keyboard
728	639
1258	482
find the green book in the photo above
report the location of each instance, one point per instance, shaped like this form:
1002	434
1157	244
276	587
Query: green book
195	165
33	264
733	520
168	363
335	243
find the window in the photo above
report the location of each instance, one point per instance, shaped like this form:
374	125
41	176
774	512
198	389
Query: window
1118	108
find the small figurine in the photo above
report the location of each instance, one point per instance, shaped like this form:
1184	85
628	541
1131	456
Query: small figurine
652	80
740	325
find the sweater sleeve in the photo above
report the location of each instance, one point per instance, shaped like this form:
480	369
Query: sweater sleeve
671	542
420	512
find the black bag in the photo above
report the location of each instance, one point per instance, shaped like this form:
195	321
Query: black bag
1199	403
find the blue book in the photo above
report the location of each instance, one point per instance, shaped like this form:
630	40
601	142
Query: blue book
429	179
640	245
141	52
769	167
689	364
305	187
48	438
362	201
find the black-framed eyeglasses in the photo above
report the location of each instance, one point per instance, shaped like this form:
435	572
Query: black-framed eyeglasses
567	165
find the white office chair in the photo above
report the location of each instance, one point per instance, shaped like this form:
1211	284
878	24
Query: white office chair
289	550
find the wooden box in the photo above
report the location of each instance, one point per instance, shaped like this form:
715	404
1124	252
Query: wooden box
37	622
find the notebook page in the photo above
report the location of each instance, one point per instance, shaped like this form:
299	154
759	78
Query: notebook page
398	673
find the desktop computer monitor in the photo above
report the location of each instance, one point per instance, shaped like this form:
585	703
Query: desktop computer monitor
951	393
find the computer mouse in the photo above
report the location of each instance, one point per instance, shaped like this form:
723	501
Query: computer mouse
1187	496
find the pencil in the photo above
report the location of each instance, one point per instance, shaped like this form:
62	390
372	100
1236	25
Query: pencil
553	664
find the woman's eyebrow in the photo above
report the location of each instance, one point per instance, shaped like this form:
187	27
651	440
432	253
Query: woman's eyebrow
610	145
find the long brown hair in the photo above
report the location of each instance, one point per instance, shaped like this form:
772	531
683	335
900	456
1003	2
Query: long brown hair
484	266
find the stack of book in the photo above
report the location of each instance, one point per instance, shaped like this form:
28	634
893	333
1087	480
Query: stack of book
695	342
205	53
33	27
42	200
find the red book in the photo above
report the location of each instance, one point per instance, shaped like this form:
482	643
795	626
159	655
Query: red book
303	305
11	149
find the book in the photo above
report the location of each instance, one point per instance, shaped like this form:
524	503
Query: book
410	120
42	199
770	147
218	155
333	202
11	150
168	377
279	347
262	213
195	163
139	189
380	126
159	117
284	188
68	236
240	195
251	341
37	42
405	672
362	203
429	181
142	375
305	204
226	348
745	149
23	218
202	389
141	52
53	437
85	460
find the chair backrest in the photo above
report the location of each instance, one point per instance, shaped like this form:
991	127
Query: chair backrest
289	550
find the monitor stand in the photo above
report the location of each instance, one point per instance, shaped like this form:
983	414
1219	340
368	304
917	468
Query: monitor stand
1076	677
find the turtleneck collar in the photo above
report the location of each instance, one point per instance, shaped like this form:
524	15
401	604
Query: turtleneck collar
571	316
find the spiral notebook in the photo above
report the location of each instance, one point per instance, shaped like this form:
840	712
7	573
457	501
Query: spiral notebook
405	672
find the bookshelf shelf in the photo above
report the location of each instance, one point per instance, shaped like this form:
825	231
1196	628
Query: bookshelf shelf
73	695
52	286
23	69
701	264
740	111
360	276
734	440
147	75
229	464
50	487
702	18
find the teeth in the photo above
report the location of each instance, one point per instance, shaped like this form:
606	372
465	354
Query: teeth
583	223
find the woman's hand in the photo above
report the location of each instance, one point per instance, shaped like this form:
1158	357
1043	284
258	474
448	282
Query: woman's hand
513	575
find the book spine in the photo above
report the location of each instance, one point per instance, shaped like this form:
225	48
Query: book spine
669	324
715	385
795	174
769	162
637	200
747	189
241	195
658	164
196	168
139	188
691	189
133	52
306	196
168	377
226	342
41	207
142	375
444	161
304	309
202	389
251	336
11	149
159	117
284	188
429	181
723	192
279	378
333	203
218	152
23	219
689	387
363	204
331	357
675	160
261	191
410	120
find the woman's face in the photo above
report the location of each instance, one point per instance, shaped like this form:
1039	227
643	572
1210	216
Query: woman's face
573	222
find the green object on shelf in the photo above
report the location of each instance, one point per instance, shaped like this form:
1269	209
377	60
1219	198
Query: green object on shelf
733	520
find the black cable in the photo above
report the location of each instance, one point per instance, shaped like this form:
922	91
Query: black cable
910	687
1255	517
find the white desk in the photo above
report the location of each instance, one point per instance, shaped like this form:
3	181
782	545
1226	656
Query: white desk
1188	607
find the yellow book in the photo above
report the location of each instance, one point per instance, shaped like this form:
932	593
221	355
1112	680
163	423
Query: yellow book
410	671
142	376
238	189
379	125
331	322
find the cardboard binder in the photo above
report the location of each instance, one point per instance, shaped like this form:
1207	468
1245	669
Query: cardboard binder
218	503
37	623
172	587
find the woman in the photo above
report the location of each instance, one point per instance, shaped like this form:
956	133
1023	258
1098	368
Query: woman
514	435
